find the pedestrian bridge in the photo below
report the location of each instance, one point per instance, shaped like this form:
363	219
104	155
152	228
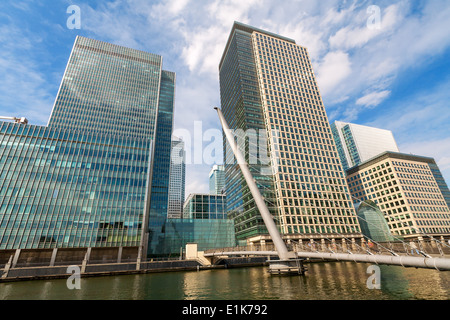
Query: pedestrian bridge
291	256
429	254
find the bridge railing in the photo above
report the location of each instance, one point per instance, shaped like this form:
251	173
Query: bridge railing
267	247
413	248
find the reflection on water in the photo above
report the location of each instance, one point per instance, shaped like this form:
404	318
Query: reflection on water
323	281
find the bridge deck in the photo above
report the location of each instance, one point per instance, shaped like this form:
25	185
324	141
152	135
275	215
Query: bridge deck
429	256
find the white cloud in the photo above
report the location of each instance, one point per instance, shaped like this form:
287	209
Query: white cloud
204	49
438	149
108	23
355	67
161	11
373	99
333	70
204	43
176	6
353	36
225	12
423	115
196	181
406	39
24	91
425	34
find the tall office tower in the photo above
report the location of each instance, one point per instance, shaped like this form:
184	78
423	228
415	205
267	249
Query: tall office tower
217	180
159	197
109	89
86	179
268	88
357	143
405	189
177	181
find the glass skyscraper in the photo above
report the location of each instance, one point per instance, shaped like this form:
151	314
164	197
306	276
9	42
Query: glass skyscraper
242	108
159	198
357	143
109	89
217	180
96	175
177	182
268	88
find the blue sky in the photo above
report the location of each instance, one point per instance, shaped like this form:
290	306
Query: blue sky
396	77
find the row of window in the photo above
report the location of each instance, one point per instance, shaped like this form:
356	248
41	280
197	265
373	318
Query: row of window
311	125
43	190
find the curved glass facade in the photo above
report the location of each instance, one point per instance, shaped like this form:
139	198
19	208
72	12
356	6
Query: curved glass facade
372	221
70	189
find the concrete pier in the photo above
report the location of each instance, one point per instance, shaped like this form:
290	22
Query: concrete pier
287	267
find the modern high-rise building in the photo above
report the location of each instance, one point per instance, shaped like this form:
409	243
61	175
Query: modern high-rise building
357	143
95	176
177	180
268	89
405	189
217	180
109	89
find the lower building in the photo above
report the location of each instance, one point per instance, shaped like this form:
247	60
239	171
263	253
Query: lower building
206	233
406	190
204	222
205	206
